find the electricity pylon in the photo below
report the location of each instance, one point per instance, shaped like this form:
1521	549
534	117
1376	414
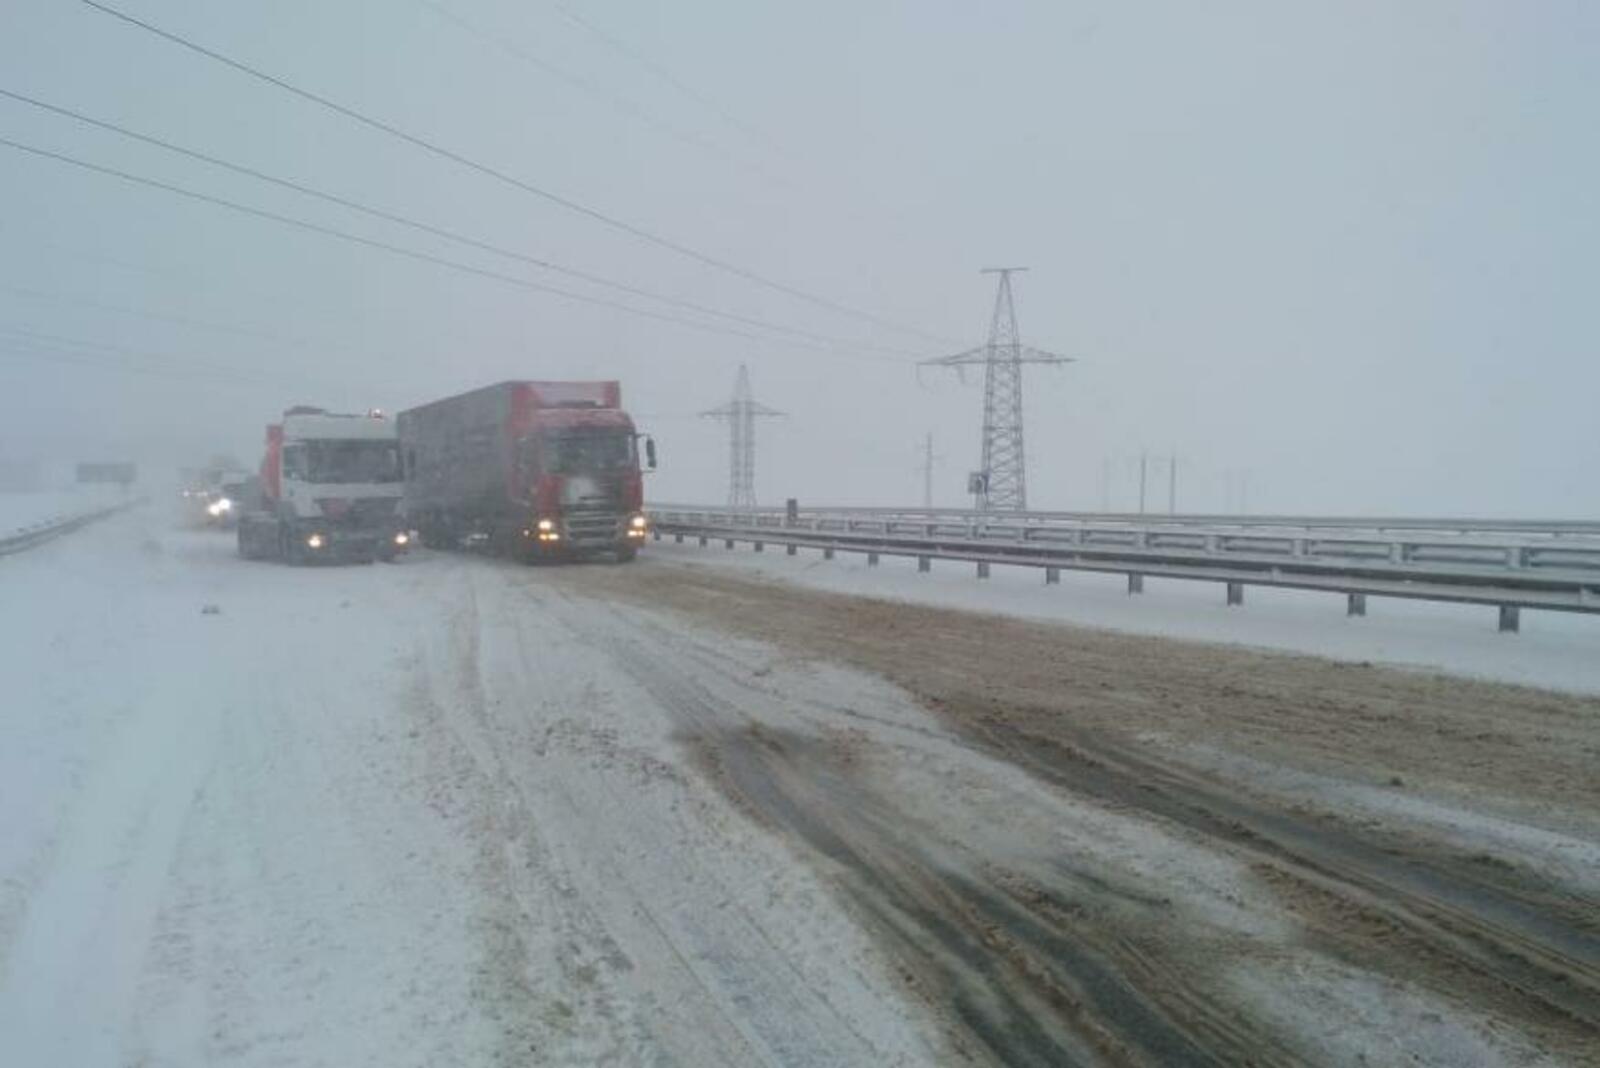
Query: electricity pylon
1001	482
740	413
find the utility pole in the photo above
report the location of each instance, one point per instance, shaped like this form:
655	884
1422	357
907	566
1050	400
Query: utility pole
1000	483
928	460
740	414
1236	489
1172	484
1144	471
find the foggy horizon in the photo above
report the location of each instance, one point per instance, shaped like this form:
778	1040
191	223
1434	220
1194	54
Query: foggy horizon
1342	258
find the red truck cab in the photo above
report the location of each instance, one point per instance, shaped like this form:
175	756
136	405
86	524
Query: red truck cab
540	469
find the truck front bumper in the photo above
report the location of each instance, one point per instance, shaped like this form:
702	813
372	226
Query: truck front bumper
580	534
332	542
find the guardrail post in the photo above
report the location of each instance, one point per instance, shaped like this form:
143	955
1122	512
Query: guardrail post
983	569
792	548
758	546
1135	583
678	538
872	559
1510	619
728	544
1235	593
827	552
1355	604
924	563
1052	576
704	541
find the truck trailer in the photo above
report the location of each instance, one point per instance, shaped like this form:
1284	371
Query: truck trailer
330	489
538	470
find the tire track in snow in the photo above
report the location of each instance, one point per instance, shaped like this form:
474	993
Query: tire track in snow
72	971
1023	978
638	884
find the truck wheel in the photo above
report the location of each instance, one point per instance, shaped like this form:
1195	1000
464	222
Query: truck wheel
626	555
250	543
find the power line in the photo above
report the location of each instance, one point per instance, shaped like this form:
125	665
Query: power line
501	176
791	163
320	347
437	231
661	72
160	317
396	249
583	85
102	353
501	39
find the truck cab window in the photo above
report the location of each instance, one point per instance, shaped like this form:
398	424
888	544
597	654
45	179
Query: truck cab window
294	462
584	450
352	461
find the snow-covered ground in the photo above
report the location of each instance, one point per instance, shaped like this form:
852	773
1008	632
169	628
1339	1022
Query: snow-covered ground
19	510
1557	650
344	819
456	811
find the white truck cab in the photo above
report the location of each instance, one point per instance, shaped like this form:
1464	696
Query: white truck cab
331	488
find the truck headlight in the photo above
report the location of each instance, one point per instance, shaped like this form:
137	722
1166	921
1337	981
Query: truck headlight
316	541
638	522
546	525
402	538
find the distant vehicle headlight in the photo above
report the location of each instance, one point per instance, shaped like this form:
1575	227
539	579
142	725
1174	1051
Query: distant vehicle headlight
639	522
218	507
401	538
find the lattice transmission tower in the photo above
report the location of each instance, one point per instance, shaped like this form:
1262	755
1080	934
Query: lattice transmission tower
1001	482
740	414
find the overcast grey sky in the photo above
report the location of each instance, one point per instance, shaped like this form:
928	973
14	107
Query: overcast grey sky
1344	253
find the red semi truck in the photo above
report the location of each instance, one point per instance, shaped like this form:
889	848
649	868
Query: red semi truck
538	469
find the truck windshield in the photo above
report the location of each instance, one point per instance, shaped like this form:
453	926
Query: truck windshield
352	461
569	452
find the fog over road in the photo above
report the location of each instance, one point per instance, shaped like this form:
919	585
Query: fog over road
457	810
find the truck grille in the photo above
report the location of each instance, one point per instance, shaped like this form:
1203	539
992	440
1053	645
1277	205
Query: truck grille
593	526
360	512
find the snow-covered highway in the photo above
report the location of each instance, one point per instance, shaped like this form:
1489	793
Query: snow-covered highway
457	811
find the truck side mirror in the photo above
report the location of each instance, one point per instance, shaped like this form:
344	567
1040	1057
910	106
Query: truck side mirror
650	453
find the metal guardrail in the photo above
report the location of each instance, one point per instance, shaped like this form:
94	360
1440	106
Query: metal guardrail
1453	525
1512	565
36	534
